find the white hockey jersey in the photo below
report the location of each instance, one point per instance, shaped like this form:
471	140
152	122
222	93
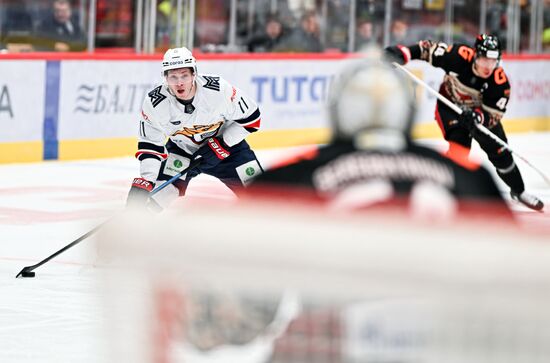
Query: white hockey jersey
218	109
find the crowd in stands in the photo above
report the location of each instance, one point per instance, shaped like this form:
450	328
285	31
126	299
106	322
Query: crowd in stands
271	26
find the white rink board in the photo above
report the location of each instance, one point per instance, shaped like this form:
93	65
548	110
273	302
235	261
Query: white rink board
22	85
291	93
530	94
102	98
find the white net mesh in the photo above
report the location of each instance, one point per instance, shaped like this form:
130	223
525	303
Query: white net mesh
244	283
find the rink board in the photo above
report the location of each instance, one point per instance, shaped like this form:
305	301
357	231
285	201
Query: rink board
88	107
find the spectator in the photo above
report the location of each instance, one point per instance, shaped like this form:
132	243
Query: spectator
304	38
268	38
399	32
16	30
60	31
365	34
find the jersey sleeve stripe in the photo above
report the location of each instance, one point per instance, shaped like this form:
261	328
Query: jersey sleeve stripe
142	156
144	145
254	126
146	154
253	119
149	150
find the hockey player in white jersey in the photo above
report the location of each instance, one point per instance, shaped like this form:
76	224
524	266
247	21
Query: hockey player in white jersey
203	116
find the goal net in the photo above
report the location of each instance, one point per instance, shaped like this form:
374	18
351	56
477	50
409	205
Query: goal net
245	282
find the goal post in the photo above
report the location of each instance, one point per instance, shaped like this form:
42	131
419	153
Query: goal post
250	282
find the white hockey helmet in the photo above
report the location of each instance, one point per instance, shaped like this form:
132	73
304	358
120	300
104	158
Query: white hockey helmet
371	96
175	58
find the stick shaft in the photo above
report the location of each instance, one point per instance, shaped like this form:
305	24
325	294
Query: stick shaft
439	96
97	228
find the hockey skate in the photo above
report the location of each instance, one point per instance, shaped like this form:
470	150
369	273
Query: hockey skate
529	200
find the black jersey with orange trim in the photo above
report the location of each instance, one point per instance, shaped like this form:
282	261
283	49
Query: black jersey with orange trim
461	85
339	168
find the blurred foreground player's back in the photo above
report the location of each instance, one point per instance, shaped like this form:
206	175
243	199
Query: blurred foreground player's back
372	161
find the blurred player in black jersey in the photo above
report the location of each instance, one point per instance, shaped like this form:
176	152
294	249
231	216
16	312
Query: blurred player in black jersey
372	161
474	81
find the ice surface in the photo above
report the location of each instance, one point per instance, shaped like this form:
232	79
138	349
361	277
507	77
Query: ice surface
57	316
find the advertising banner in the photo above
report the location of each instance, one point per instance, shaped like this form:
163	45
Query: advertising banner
102	99
530	81
291	93
57	104
22	100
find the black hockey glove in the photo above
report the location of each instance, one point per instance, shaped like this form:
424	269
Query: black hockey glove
469	118
397	53
212	152
139	192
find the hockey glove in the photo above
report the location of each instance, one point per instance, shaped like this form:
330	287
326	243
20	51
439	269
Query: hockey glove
398	53
469	118
212	152
139	192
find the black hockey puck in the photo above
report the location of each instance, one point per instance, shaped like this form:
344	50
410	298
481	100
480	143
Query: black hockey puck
28	274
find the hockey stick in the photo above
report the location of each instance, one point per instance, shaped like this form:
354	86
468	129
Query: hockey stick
27	271
480	127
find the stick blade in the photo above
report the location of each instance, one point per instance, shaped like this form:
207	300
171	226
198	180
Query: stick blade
26	272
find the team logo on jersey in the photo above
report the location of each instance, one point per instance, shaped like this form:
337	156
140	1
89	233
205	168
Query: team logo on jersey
199	132
212	83
156	97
